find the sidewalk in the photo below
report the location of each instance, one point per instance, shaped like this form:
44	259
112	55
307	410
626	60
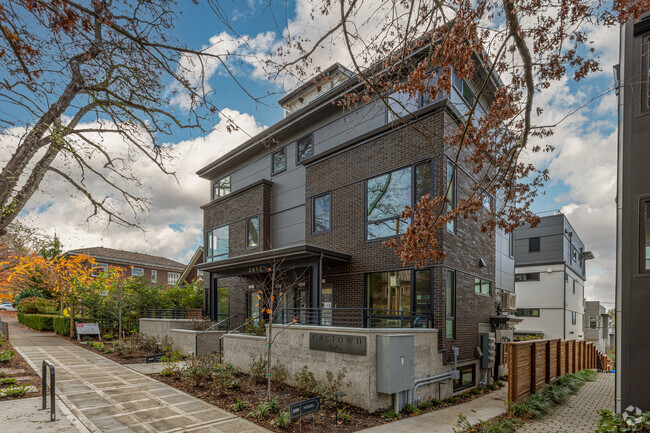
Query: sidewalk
108	397
580	413
444	420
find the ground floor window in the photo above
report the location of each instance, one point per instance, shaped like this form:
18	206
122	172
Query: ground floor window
223	303
467	377
400	293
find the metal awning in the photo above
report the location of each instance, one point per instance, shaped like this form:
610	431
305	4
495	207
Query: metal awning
298	252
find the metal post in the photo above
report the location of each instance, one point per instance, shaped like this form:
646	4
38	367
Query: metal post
46	365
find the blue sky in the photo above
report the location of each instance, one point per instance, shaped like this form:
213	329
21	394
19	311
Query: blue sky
582	167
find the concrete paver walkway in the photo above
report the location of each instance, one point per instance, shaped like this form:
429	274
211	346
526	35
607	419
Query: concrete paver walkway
444	420
580	413
108	397
24	415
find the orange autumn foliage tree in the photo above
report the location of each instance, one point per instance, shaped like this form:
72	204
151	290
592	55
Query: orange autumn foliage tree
66	277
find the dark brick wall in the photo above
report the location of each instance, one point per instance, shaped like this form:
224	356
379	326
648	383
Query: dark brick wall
233	210
126	269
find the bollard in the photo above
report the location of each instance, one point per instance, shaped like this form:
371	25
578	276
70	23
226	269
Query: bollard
48	365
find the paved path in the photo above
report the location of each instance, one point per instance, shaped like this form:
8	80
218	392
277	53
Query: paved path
444	420
108	397
24	415
580	413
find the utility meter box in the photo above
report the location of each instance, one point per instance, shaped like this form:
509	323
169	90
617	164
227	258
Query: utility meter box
395	363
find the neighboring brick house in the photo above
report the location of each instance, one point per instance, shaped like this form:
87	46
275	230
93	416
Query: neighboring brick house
321	189
156	269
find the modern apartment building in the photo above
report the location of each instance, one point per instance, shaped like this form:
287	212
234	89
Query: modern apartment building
596	325
321	190
633	218
550	278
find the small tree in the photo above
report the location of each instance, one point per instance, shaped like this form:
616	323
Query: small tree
272	284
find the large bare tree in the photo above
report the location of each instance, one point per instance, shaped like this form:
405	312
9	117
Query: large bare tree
76	76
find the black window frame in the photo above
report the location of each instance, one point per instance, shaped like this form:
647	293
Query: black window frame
534	241
208	238
414	198
511	245
481	281
645	73
527	312
298	159
450	277
283	149
218	184
458	385
528	276
452	175
313	213
248	246
644	217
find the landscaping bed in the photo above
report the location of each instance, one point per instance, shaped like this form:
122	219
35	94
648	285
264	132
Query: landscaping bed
245	395
133	349
17	378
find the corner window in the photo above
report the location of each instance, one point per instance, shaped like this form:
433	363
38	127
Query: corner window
527	312
532	276
401	298
98	268
137	272
279	161
467	378
321	213
221	188
253	232
534	245
218	241
154	276
450	305
172	278
451	195
304	148
481	286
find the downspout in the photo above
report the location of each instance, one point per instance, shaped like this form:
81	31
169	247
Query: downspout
564	302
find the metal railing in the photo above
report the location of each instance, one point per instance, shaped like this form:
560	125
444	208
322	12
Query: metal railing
171	313
46	365
355	317
196	337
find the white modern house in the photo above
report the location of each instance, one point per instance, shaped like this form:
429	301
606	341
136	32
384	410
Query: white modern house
550	278
596	325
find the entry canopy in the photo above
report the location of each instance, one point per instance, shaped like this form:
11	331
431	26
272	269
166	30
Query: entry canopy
248	263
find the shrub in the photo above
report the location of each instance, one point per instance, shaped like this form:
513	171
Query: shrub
493	387
8	381
283	420
240	404
279	373
273	404
108	336
257	368
499	383
15	391
426	406
436	402
2	374
27	293
199	369
36	305
135	343
333	385
259	329
613	423
306	381
6	355
170	364
225	377
61	325
99	346
391	414
411	409
261	412
39	322
475	391
452	400
343	415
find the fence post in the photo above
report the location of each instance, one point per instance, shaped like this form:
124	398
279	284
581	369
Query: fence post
513	361
533	367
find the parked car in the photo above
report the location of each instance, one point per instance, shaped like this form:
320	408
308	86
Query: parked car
7	306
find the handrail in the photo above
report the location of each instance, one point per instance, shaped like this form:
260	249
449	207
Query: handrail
230	332
196	337
48	364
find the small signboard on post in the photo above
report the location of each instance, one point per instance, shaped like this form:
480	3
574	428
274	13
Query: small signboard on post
88	329
304	407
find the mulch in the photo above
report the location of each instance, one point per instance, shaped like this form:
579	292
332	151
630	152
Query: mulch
121	358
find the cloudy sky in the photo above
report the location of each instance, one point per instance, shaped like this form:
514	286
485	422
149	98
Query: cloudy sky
583	167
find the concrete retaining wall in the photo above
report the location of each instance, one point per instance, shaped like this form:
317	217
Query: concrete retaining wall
291	348
160	327
185	341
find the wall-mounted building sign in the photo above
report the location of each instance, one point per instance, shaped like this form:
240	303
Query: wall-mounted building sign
339	343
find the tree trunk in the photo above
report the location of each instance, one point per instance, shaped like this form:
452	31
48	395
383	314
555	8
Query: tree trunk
71	319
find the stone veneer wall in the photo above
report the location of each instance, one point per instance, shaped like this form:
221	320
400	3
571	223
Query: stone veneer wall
291	348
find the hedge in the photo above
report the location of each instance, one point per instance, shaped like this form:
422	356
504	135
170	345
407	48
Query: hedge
61	325
40	322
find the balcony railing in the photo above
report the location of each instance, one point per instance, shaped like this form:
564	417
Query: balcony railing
168	313
355	317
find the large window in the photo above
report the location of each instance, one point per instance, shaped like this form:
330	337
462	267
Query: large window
253	232
450	305
223	303
279	161
221	188
321	213
534	245
482	286
527	312
451	195
304	148
531	276
406	292
172	278
218	243
467	378
388	194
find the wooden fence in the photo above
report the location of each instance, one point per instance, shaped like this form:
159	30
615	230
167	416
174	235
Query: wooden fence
532	364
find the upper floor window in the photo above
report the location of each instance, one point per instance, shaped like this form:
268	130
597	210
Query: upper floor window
481	286
644	265
137	272
218	243
527	312
451	195
279	161
574	287
511	244
253	232
645	73
304	148
450	305
534	245
573	317
388	194
593	322
154	276
221	188
487	201
532	276
172	278
98	268
321	213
